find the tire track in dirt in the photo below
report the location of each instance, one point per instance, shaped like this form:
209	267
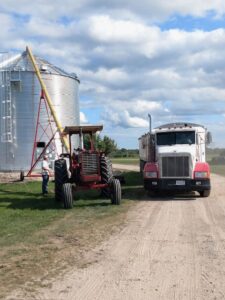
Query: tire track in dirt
120	256
213	243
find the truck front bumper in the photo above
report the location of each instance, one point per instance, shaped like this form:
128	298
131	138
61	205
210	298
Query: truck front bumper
177	184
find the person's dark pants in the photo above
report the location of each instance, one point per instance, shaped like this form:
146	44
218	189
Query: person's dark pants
45	179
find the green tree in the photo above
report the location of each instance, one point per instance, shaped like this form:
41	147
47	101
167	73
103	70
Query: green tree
109	145
105	144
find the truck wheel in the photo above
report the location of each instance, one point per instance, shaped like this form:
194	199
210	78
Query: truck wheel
115	192
204	193
61	177
106	174
67	195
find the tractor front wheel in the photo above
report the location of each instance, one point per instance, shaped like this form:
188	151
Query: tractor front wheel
67	195
115	188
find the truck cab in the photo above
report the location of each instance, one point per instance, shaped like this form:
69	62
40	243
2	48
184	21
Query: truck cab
173	157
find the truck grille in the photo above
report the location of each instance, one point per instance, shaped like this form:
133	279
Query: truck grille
90	163
175	166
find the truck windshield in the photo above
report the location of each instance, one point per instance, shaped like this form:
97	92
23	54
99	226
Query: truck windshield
173	138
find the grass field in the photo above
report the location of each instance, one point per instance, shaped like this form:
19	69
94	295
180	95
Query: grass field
217	169
126	161
38	237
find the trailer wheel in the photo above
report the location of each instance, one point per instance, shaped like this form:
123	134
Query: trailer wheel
67	195
205	193
142	165
61	177
106	174
115	192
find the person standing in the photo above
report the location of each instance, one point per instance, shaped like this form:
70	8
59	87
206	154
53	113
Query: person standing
45	175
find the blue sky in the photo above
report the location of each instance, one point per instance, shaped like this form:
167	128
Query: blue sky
133	58
208	22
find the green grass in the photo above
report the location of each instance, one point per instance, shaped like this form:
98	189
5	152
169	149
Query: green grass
218	169
24	210
126	161
38	236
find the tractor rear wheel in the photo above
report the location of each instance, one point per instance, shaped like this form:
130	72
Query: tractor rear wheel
115	192
106	174
61	177
67	195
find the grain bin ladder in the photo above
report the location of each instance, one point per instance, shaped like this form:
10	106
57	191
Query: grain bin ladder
48	99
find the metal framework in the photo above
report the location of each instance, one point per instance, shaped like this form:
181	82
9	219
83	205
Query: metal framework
43	131
48	99
46	104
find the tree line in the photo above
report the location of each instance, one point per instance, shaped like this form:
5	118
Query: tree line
109	146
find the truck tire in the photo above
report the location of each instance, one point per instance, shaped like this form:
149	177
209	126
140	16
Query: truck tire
115	192
61	177
106	174
67	195
205	193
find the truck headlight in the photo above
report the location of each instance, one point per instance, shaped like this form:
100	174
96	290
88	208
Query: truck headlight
201	174
151	174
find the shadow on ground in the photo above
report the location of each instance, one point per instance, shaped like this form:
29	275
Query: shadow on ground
36	201
33	202
132	190
139	194
135	191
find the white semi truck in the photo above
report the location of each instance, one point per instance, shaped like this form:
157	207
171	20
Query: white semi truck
173	158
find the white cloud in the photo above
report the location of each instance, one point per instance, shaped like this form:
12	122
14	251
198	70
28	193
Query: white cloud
112	76
124	119
106	29
128	66
134	121
45	28
132	113
153	10
83	118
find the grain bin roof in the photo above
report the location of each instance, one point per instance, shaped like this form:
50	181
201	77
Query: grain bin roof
22	63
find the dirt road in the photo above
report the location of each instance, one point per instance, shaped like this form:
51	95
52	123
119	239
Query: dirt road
171	248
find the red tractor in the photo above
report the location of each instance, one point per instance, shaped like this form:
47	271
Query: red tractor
88	169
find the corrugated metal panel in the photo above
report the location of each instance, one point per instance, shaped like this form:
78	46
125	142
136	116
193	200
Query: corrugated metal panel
147	147
23	93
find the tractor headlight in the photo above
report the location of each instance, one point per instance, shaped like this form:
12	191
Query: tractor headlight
151	174
201	174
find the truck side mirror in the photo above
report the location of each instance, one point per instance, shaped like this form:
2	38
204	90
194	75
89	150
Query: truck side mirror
208	138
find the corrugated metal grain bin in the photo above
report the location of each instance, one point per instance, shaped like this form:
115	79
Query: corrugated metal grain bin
19	99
